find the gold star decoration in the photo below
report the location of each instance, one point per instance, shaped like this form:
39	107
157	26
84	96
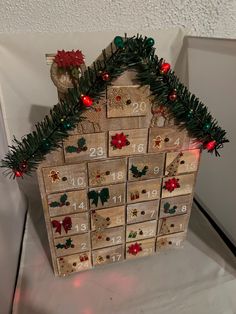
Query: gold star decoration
134	212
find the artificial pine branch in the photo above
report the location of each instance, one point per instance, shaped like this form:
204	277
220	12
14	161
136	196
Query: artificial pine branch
135	52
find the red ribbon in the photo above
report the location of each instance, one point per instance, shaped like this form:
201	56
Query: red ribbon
66	223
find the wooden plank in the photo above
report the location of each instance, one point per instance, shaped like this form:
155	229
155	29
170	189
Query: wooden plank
142	211
116	196
115	216
170	241
186	183
74	263
127	101
183	162
134	142
143	190
85	147
140	248
63	178
108	237
95	120
141	230
108	255
173	224
148	167
76	201
72	244
165	139
79	224
107	172
176	205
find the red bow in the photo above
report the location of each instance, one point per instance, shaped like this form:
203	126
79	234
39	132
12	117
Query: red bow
66	223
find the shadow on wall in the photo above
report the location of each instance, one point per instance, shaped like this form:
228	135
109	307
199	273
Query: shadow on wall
209	242
29	186
37	114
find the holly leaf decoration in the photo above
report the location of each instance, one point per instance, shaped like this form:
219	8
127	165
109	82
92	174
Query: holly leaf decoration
137	173
134	170
71	149
81	142
54	204
69	242
60	246
63	198
144	171
166	207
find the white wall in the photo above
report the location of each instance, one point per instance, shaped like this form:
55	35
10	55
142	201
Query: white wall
13	206
206	18
212	77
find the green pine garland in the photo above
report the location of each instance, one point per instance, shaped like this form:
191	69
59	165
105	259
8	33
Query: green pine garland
137	53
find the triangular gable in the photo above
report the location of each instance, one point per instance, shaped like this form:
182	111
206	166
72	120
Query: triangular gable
123	53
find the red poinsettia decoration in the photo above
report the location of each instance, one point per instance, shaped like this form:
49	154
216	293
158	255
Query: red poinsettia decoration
172	184
65	59
134	249
119	140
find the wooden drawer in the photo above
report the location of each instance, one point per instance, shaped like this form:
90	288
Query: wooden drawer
108	255
72	244
142	211
62	178
176	205
143	190
127	101
170	241
141	231
112	217
140	248
107	172
185	185
146	167
70	224
108	237
67	202
128	142
182	162
172	224
74	263
114	196
163	139
85	147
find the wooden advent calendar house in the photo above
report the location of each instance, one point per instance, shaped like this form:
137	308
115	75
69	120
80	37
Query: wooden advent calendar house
121	185
123	182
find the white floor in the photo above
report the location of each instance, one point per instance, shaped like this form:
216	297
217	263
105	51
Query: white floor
198	279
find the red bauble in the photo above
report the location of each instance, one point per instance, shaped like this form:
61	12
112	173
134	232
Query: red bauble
134	249
105	76
165	67
171	184
210	145
18	173
87	101
172	96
